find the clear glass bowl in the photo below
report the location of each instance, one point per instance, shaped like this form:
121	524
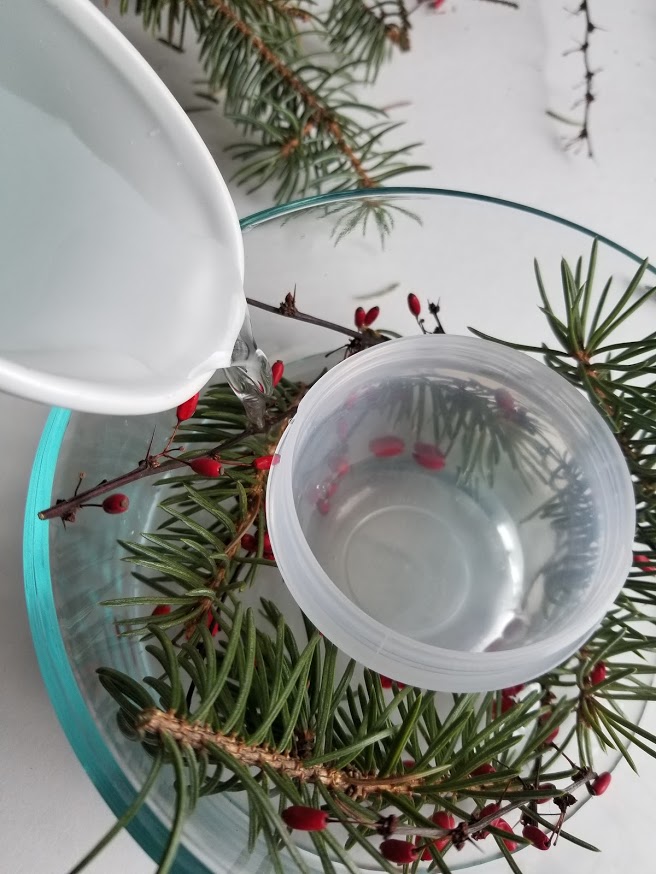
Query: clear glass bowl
474	253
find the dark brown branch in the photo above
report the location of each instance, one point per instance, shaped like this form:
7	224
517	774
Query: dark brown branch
288	309
588	98
151	465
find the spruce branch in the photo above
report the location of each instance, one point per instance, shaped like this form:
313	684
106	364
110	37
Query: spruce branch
365	31
306	127
255	709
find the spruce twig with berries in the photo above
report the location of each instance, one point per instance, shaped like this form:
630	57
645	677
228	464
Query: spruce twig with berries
349	757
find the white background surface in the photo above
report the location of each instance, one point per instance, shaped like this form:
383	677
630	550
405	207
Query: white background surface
479	79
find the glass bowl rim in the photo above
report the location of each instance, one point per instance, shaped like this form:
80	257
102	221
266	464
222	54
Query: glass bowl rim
65	696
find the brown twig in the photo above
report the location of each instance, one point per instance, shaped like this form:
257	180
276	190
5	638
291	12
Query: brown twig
66	509
149	467
288	309
588	98
323	116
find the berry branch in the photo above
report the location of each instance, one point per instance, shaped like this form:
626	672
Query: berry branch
67	509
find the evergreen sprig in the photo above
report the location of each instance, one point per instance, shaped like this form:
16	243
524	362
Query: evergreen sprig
261	711
306	128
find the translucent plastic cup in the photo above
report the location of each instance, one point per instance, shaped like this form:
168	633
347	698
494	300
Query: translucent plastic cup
451	513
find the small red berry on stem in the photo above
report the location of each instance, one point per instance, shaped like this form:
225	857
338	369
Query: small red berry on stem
500	823
545	787
208	467
323	506
386	447
267	551
600	784
161	610
401	852
537	837
413	305
187	409
371	316
645	561
442	819
212	624
116	503
305	819
598	673
484	812
387	682
248	542
482	770
359	318
511	691
277	370
428	456
552	737
265	462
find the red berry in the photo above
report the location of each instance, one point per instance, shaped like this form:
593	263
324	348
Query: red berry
598	673
341	467
277	370
505	401
511	691
482	770
370	317
208	467
442	819
267	550
437	3
323	506
387	683
117	503
413	305
552	737
428	456
305	819
484	812
386	447
212	624
537	837
645	561
265	462
511	846
249	542
546	787
161	610
507	703
360	316
599	784
188	408
401	852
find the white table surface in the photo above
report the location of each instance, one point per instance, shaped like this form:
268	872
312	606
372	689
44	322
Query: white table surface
479	80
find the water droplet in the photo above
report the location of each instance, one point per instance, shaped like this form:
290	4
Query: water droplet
250	374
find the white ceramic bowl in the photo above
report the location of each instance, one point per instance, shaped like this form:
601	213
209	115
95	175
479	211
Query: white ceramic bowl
121	260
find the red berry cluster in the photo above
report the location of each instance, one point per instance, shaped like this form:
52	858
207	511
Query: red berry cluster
365	318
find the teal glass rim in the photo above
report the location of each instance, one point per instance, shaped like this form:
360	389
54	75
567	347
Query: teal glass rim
82	732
